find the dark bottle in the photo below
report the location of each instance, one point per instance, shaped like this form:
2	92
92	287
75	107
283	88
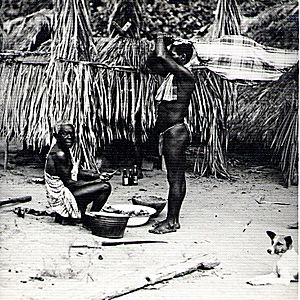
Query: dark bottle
135	175
125	179
130	177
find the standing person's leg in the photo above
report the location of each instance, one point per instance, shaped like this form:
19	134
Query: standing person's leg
138	149
174	147
138	161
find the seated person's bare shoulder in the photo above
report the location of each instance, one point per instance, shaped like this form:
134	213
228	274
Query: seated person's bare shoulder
55	156
60	154
57	153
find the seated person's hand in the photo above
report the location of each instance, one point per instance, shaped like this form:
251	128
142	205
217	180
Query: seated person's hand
105	176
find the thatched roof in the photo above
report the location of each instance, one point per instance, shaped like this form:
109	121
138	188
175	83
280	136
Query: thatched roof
267	115
28	33
260	107
20	8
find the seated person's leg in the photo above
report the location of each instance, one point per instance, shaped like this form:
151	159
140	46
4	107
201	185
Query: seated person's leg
96	192
104	192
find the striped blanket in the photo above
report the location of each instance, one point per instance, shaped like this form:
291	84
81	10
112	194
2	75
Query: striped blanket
236	57
60	198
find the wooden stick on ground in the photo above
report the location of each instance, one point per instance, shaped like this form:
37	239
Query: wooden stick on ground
15	200
190	265
117	243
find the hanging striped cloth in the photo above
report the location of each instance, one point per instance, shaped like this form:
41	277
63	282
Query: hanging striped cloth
237	57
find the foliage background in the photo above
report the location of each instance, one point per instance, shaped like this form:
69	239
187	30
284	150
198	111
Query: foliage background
272	22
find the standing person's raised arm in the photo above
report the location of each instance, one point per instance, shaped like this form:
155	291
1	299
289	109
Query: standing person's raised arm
169	60
155	59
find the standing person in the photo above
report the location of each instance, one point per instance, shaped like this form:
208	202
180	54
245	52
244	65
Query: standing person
68	196
138	145
174	97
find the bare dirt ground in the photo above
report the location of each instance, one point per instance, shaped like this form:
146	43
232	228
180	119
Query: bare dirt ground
38	263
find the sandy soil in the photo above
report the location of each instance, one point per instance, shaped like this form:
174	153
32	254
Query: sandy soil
36	261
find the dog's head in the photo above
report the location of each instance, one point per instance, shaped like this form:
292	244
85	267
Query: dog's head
280	243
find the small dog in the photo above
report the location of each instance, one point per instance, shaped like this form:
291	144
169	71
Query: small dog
286	269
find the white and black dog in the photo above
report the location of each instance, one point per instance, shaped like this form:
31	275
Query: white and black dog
286	268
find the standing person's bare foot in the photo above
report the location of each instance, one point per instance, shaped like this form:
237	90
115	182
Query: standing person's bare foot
165	226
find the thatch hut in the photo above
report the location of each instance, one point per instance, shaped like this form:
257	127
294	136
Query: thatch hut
267	113
105	108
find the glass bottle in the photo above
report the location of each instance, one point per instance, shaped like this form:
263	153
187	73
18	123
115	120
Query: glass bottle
125	179
130	177
135	175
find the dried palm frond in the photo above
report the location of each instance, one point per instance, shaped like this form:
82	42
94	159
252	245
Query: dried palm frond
209	114
285	144
68	93
20	83
125	93
22	76
214	100
227	19
101	100
130	93
126	11
2	33
267	115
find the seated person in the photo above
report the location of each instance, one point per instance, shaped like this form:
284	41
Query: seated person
69	196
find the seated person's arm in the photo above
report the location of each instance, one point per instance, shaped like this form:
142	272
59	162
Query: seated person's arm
87	175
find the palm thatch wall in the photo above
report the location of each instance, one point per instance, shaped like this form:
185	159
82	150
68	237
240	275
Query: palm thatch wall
268	112
21	81
101	98
214	101
268	115
132	95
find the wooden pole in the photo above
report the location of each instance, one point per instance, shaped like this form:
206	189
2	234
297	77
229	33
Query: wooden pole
6	154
